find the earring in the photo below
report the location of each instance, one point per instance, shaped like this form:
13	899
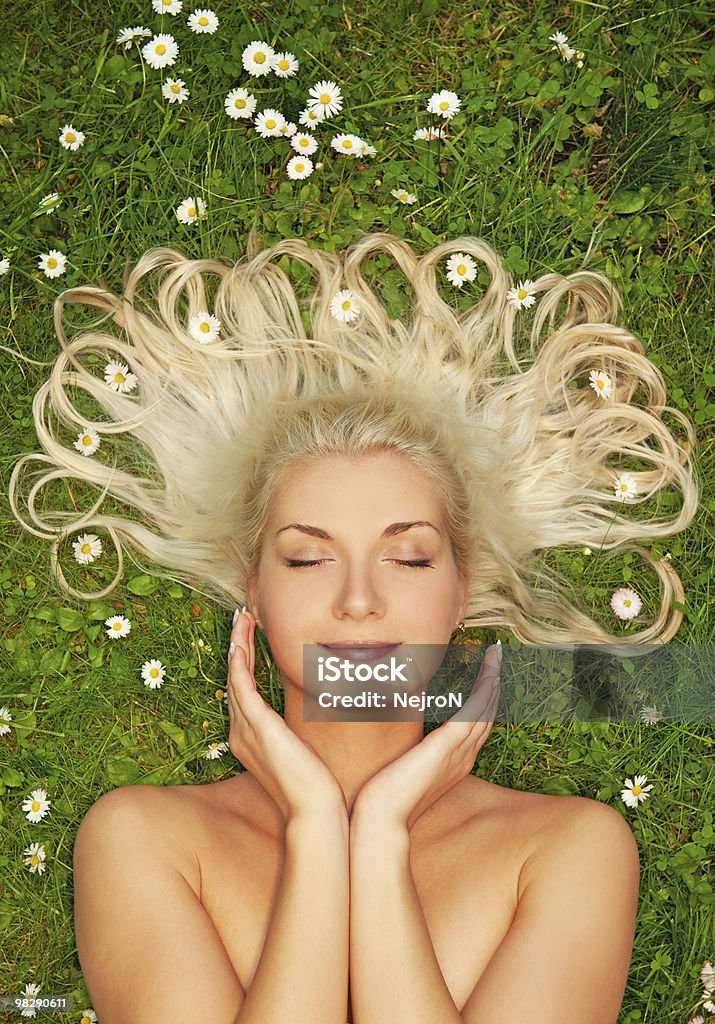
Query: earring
460	625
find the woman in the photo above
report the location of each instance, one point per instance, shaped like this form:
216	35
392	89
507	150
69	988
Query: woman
373	483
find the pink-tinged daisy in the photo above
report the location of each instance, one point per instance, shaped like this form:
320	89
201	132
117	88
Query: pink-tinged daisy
625	603
191	210
460	268
257	58
202	21
697	1020
174	90
522	297
71	138
161	51
635	792
304	143
127	35
601	383
299	167
403	196
117	626
215	750
285	65
326	98
119	377
88	441
87	547
34	858
172	7
240	103
269	122
444	103
343	306
5	717
52	263
204	327
153	673
625	487
36	805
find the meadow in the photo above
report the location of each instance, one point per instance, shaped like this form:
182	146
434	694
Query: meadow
595	145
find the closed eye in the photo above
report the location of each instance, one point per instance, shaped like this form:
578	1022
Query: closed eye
416	563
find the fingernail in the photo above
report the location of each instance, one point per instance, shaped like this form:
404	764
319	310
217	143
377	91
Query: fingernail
244	610
235	616
499	650
496	682
231	649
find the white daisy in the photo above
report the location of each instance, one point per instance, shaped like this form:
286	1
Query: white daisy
367	150
71	138
625	603
34	857
304	143
87	547
28	1000
707	977
601	383
127	35
117	626
460	268
174	90
288	129
161	51
343	306
119	377
431	134
285	65
625	487
36	805
299	167
403	196
215	750
153	673
88	1017
240	103
49	202
326	98
5	717
709	1005
635	792
88	441
167	6
4	266
347	143
257	58
522	297
202	21
191	210
204	327
650	715
444	103
559	38
269	122
53	263
311	118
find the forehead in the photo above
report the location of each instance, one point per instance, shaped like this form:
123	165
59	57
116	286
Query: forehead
377	485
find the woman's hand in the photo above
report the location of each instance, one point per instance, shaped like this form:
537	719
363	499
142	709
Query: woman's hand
292	775
404	789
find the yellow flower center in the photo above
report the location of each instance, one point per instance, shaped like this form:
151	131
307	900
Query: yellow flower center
161	49
303	142
176	87
203	20
34	859
461	269
283	64
87	440
119	377
346	304
204	724
86	548
627	602
154	672
325	97
239	103
636	790
52	263
116	625
270	123
70	137
167	3
35	805
191	211
599	383
522	293
205	327
299	168
86	1020
347	144
259	57
624	487
213	745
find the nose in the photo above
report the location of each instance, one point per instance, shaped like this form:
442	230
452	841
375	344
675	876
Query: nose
358	593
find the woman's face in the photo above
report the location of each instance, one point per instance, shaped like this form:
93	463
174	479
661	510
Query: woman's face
352	519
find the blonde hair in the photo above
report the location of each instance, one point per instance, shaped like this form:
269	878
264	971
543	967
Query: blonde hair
524	458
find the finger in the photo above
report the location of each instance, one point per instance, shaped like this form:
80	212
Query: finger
479	703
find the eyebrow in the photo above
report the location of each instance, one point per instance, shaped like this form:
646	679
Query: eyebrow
389	531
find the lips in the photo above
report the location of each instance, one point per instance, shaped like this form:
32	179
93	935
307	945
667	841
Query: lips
362	650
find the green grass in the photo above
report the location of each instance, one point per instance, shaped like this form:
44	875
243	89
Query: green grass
540	153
